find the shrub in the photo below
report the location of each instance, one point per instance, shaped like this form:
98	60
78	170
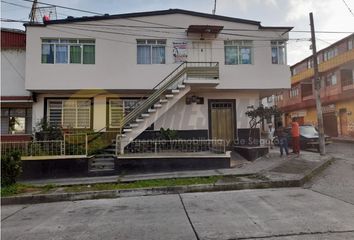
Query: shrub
10	167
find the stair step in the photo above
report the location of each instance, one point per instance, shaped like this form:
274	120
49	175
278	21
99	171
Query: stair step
175	91
169	95
163	100
145	115
102	165
181	86
133	125
157	105
151	110
127	130
138	120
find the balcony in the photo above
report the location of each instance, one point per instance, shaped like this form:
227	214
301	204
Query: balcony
325	66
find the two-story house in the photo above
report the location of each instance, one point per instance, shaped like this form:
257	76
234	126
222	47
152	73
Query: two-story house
336	70
16	102
189	71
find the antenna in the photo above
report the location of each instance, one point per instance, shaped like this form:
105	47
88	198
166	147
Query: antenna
214	10
32	15
41	14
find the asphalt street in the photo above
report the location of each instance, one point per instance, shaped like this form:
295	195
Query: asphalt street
337	180
322	210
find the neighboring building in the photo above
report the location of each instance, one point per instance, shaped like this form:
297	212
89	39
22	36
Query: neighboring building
86	73
336	70
16	102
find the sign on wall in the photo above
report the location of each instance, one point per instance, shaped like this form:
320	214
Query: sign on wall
180	53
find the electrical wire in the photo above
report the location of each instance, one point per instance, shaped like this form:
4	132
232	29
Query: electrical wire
346	4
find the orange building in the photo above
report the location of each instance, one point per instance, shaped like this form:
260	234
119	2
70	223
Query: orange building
336	71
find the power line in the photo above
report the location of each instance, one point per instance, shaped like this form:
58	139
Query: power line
348	7
68	8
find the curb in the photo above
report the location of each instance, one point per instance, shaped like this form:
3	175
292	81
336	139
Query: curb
313	172
76	196
338	140
59	197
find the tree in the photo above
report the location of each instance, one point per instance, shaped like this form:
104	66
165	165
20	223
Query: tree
258	115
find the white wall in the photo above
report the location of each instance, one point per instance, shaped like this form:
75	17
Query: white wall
195	116
180	117
116	64
13	73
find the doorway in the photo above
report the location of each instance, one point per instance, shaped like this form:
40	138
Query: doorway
222	119
343	121
200	51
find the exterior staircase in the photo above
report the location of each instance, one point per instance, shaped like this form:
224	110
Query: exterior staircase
166	94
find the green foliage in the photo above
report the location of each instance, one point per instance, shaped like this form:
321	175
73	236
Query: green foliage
168	134
44	131
11	167
261	113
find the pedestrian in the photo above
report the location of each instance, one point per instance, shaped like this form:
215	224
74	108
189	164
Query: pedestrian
271	131
295	135
282	138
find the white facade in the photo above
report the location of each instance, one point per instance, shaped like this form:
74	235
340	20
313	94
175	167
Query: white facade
117	74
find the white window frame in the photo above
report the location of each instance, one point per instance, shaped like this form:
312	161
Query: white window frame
239	45
76	109
278	45
150	43
69	42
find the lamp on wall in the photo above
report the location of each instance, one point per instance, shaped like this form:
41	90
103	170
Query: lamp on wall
194	99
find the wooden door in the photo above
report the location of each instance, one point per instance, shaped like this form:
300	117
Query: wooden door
330	124
343	121
222	122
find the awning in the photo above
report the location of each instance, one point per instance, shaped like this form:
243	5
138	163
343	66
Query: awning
204	29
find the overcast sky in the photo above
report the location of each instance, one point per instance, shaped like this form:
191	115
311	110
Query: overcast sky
329	15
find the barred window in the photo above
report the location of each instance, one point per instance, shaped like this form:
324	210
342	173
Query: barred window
71	113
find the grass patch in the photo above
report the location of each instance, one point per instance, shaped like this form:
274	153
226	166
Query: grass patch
144	184
19	188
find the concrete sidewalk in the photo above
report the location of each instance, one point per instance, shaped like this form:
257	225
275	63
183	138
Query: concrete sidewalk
239	166
267	172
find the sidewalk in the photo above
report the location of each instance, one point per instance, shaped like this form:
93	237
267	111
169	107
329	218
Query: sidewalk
343	139
267	172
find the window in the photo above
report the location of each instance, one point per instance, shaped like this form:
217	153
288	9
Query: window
278	52
151	51
330	53
68	51
350	43
331	79
294	92
16	120
71	113
278	98
238	52
118	108
347	77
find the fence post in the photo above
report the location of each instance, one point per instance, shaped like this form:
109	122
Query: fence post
64	143
86	144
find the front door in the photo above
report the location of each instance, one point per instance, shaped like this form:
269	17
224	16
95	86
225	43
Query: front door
200	51
330	124
222	120
343	120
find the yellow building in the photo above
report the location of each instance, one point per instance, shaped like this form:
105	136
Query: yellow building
336	71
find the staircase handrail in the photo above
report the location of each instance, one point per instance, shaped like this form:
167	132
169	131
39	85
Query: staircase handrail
160	88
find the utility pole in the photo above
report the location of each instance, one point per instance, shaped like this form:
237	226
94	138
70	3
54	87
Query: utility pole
317	87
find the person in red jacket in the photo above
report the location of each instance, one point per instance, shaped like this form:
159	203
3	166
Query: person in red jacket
295	135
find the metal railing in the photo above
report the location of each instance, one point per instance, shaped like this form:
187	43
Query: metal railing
207	69
175	146
72	144
34	148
